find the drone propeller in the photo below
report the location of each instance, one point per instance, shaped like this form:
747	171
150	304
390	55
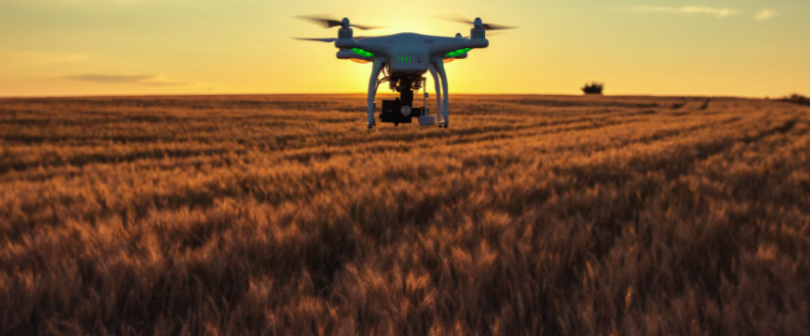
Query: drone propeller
331	22
488	35
477	22
327	40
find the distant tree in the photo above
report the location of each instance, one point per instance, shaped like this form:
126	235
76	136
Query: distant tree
796	99
593	88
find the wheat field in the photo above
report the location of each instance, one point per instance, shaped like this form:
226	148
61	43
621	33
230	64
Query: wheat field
283	215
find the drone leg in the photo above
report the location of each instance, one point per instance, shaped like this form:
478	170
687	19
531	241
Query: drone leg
438	87
446	98
372	90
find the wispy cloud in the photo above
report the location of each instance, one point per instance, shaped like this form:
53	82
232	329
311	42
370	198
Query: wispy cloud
154	80
765	14
66	57
80	2
111	78
40	56
699	10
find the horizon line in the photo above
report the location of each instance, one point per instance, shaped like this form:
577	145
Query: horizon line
145	95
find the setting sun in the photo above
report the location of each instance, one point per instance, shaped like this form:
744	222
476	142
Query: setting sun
91	47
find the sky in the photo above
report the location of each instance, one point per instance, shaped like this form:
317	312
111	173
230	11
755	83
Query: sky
652	47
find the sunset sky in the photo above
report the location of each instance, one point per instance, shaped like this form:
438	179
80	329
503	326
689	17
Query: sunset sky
660	47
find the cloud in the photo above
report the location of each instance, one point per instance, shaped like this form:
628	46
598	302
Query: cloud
153	80
80	2
700	10
765	14
66	57
110	78
40	56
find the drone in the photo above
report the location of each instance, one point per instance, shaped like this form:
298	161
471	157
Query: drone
403	59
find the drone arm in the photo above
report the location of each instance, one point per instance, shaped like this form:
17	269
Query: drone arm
438	88
446	98
372	89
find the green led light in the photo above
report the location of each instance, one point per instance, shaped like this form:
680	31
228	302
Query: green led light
362	52
458	53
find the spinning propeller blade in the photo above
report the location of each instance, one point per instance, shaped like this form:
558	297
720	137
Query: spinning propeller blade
487	26
327	40
488	35
331	22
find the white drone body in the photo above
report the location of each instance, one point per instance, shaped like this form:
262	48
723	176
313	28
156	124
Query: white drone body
404	59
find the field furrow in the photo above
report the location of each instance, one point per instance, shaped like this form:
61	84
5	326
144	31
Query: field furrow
283	215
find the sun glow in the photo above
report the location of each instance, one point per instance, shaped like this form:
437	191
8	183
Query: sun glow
100	47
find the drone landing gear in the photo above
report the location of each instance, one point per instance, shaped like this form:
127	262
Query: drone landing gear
401	110
372	91
438	87
445	108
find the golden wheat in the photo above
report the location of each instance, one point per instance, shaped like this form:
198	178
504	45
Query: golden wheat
282	215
